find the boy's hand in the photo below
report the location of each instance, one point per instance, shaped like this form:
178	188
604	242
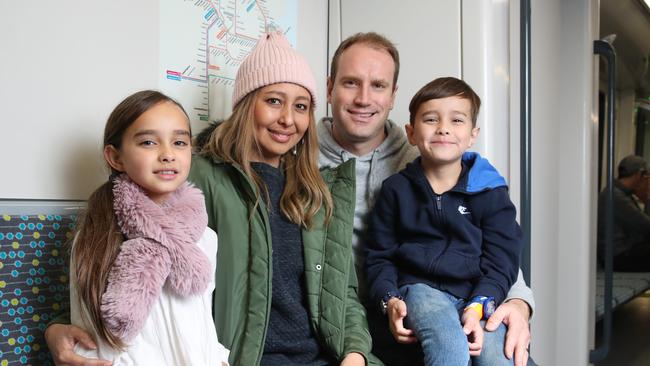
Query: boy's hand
396	311
61	340
473	330
353	359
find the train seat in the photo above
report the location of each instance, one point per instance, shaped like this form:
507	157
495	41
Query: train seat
627	286
33	283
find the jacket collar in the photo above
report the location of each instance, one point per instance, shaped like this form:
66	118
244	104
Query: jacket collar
623	188
477	174
394	141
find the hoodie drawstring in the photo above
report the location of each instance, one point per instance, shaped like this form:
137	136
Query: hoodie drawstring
372	180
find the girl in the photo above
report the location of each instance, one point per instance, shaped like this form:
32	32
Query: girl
286	285
143	260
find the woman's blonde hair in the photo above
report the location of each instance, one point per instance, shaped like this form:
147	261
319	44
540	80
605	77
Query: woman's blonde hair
305	192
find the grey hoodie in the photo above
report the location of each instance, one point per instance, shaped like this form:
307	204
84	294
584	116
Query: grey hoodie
387	159
371	170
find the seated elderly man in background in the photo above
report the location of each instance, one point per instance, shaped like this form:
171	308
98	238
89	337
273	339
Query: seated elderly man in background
631	234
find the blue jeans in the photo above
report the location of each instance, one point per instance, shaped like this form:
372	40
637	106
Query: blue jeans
434	316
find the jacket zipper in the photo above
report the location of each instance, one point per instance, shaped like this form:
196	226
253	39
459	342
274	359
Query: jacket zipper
262	209
439	202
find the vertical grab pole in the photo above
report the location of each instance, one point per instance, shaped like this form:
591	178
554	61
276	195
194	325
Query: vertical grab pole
525	136
606	50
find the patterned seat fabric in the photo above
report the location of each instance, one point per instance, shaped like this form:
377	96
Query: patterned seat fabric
33	283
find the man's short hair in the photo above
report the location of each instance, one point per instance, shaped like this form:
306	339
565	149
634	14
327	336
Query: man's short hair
631	165
443	88
371	39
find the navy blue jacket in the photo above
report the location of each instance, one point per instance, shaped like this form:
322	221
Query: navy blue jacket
465	241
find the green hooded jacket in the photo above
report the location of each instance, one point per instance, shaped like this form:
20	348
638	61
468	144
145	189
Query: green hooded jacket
242	299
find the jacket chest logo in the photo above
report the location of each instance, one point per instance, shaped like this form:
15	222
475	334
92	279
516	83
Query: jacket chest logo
463	210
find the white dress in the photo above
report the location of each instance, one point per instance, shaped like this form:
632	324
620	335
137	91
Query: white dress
178	332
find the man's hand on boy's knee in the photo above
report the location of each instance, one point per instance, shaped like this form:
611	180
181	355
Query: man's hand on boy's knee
61	339
514	314
472	328
396	312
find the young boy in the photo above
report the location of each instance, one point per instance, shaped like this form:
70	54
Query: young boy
444	244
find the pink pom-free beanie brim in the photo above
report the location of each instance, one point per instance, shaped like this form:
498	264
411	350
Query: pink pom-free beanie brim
273	61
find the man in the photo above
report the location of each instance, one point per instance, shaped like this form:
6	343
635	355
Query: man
631	234
361	90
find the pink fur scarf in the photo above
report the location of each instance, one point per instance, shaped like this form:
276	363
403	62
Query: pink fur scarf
160	250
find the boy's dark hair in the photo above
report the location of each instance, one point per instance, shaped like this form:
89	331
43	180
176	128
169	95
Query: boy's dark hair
371	39
443	88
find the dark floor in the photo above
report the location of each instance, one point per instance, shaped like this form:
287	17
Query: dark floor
630	334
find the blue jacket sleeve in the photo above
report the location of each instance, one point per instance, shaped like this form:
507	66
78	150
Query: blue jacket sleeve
382	245
501	246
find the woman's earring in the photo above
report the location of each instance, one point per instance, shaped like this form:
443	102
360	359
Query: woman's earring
295	147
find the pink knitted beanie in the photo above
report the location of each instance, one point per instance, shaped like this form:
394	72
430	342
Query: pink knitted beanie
273	61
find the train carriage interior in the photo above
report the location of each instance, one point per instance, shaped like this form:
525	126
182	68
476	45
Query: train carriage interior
565	91
627	24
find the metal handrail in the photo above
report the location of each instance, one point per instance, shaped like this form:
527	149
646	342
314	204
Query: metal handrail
606	50
525	145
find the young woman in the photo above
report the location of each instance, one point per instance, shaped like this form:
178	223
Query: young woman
286	285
